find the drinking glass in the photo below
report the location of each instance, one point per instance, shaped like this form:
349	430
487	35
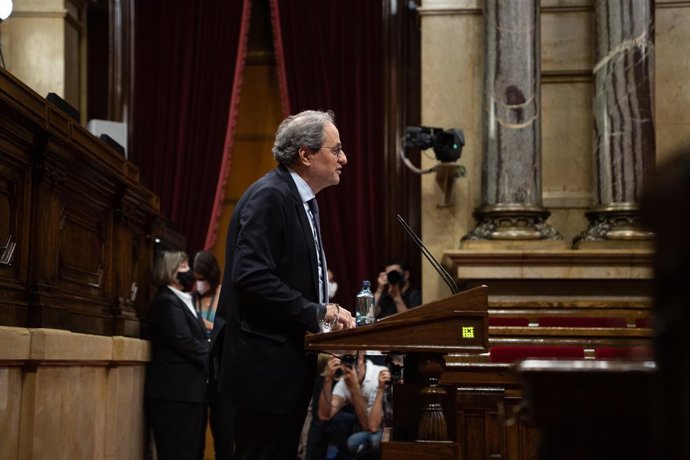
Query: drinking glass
327	326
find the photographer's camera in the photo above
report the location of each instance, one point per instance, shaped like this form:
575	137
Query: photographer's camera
396	366
346	361
395	278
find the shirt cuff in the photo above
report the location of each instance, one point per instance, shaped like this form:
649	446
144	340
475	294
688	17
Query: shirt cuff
320	313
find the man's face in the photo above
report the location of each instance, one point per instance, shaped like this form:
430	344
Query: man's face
402	275
328	162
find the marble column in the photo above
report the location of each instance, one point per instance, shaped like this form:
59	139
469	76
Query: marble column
511	206
624	144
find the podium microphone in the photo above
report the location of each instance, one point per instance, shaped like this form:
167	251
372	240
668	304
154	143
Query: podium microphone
434	263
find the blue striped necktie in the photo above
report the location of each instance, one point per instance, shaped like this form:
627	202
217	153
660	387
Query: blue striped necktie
320	255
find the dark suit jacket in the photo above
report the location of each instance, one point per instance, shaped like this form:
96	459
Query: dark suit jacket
269	299
179	351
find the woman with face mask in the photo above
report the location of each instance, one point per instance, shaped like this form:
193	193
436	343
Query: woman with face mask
332	285
207	275
177	372
206	294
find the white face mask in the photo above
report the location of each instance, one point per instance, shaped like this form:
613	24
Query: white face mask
332	288
202	286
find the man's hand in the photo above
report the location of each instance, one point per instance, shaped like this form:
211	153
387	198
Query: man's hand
384	379
382	282
332	366
394	291
345	319
351	379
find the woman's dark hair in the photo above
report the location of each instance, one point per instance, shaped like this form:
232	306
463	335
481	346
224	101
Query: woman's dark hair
206	265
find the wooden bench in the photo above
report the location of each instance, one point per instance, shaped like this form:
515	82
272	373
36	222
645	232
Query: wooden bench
582	336
584	323
636	313
587	410
488	413
515	353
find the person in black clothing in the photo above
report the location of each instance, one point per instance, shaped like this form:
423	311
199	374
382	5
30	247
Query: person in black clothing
221	418
275	290
176	376
393	292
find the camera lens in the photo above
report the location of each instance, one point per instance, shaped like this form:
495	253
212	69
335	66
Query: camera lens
395	277
395	365
348	360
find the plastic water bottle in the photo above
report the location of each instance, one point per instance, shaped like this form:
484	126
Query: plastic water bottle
365	305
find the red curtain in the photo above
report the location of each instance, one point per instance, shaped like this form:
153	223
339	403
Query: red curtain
330	56
185	91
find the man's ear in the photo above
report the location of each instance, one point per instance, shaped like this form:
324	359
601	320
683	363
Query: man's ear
304	154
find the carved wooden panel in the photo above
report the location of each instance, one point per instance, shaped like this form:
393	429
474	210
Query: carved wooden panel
15	181
15	202
479	423
132	245
84	241
77	229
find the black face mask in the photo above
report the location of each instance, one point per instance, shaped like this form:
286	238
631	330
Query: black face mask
186	279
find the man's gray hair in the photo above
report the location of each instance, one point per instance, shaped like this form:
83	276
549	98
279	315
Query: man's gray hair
302	130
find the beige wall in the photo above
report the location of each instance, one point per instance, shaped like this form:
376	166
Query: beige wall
70	396
452	89
43	44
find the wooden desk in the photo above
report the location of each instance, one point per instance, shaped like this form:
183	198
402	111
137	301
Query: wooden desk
481	403
591	409
424	417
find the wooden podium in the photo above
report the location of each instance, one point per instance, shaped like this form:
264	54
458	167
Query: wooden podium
456	325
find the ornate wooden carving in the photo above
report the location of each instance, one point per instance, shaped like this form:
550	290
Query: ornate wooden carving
80	227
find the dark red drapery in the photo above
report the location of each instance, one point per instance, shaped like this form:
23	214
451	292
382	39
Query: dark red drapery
186	54
330	56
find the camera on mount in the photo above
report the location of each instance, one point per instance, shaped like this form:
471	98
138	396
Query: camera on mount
395	278
447	144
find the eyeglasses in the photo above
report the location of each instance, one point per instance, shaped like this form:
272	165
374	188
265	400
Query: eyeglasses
336	150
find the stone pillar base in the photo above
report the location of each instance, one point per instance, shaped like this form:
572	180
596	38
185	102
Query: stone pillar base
512	222
617	223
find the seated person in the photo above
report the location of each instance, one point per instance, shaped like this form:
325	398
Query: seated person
326	438
332	285
367	443
393	292
358	387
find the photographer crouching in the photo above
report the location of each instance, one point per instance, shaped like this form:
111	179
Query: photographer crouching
393	292
363	385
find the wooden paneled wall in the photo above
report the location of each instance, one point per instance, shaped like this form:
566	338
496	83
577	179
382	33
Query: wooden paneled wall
78	231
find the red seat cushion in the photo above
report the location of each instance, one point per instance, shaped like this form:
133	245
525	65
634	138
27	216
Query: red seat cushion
512	353
582	321
627	353
643	322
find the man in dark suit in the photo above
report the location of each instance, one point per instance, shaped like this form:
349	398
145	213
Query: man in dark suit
275	290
